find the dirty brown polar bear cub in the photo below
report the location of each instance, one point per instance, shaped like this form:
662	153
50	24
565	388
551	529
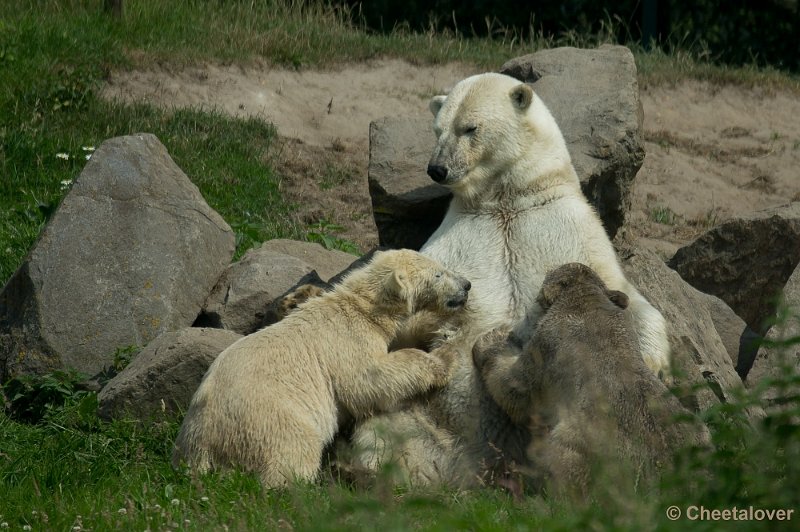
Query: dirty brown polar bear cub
517	212
582	386
273	400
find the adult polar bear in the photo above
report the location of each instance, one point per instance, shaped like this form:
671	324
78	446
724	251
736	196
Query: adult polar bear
517	212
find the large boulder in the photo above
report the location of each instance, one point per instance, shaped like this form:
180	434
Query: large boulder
407	205
702	364
163	377
783	357
745	261
594	97
132	251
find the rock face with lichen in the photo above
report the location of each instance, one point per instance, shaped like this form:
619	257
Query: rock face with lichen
132	251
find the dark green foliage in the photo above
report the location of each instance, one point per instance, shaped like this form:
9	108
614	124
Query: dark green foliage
732	31
30	398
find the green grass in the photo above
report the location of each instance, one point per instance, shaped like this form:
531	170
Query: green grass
61	466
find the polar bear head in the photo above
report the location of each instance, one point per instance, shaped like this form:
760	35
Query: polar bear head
407	280
494	136
579	283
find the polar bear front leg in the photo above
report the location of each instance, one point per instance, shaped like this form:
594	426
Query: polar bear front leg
651	328
393	377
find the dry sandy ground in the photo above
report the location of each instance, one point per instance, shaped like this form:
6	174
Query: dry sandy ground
711	152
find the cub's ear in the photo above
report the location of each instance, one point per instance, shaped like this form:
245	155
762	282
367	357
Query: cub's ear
398	287
436	103
521	96
620	299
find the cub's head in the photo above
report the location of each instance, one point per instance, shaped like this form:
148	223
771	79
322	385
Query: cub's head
417	283
485	126
579	282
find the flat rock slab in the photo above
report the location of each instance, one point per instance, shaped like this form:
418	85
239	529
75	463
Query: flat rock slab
746	261
327	262
132	251
594	97
163	377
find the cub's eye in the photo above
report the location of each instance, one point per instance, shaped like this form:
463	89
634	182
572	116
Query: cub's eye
469	130
439	275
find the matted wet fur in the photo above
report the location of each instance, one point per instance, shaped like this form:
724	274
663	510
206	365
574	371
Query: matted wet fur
582	387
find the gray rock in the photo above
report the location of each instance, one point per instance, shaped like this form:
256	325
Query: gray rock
247	287
734	333
777	361
407	205
701	363
745	261
594	97
327	262
132	251
163	377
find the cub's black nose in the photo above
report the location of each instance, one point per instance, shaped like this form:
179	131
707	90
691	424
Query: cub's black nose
467	286
437	173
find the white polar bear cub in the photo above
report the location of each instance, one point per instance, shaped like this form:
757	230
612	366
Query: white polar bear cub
273	400
517	213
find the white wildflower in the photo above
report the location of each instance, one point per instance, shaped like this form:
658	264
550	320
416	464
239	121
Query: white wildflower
174	502
26	527
156	506
62	155
122	511
3	525
203	499
187	522
88	156
66	183
87	148
77	528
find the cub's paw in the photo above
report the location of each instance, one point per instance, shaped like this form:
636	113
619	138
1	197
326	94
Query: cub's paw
489	345
294	299
446	358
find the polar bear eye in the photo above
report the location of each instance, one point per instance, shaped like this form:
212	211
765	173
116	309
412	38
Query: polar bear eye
469	130
439	275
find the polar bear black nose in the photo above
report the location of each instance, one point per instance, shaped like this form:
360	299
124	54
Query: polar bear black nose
467	286
437	173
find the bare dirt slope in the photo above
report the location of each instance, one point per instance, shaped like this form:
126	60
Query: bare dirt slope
711	152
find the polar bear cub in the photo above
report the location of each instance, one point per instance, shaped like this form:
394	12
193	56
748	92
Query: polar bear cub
582	387
273	400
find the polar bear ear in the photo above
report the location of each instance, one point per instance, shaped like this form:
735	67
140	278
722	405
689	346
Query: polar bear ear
521	96
436	103
620	299
398	283
398	286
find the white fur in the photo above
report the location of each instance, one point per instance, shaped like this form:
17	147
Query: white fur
517	213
